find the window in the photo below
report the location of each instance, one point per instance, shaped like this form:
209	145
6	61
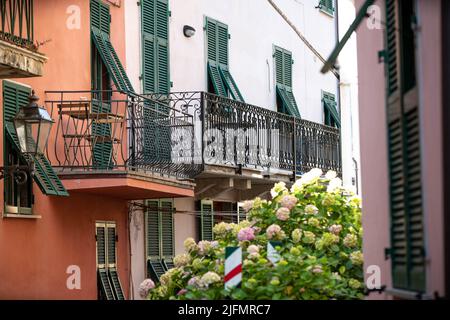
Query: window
100	31
327	6
109	287
214	212
160	237
220	80
16	95
331	114
407	251
283	74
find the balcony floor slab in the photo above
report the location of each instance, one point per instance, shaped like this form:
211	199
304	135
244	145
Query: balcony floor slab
126	185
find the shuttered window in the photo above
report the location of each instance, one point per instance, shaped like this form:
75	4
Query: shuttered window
15	96
283	79
331	114
206	220
108	280
327	6
407	250
219	74
100	32
155	46
155	78
160	235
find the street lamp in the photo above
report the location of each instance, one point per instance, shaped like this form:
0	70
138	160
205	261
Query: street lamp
32	125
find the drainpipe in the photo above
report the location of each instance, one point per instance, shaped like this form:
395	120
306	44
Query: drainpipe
338	81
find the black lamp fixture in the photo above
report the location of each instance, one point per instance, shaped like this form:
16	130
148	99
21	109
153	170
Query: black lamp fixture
32	125
188	31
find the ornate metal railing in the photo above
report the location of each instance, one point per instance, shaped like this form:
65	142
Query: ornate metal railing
17	22
237	134
97	131
179	133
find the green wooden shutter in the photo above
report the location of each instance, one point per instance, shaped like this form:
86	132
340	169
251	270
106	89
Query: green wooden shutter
155	34
112	261
105	285
218	55
206	220
153	229
15	96
100	235
241	212
167	229
327	6
283	79
100	31
332	117
231	84
391	49
407	230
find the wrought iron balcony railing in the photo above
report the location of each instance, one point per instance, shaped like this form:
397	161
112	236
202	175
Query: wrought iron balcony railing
17	22
179	133
240	135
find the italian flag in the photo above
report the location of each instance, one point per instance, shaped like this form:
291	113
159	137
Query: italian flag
233	267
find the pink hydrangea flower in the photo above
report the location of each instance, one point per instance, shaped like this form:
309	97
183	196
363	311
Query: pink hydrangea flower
273	230
181	292
283	214
246	234
145	287
288	201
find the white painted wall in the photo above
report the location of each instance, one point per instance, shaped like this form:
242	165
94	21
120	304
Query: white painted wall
349	99
254	27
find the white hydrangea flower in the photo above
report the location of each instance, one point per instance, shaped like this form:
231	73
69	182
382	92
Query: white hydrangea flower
335	184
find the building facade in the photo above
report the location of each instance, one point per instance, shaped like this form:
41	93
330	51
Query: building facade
262	110
403	146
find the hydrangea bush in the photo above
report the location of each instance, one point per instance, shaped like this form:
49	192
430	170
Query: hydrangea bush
318	224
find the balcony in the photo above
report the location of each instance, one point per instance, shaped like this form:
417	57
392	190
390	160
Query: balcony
110	143
18	53
222	143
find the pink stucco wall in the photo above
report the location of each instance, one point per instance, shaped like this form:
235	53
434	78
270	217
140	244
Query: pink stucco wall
374	158
374	177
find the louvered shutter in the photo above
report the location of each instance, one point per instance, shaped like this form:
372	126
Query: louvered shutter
112	261
100	234
153	229
206	220
391	50
167	229
332	117
241	212
218	56
15	96
100	31
407	234
106	290
327	6
102	148
283	77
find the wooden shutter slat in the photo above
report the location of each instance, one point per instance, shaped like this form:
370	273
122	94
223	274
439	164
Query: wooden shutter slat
115	284
231	84
214	75
167	229
207	220
105	285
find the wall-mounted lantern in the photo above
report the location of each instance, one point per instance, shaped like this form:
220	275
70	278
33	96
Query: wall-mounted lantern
32	125
188	31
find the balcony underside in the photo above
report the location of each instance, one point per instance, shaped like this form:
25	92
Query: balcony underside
232	184
18	62
126	185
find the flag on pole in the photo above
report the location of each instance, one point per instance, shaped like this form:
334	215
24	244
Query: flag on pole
233	267
272	254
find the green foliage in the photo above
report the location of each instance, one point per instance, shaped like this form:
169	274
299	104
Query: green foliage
320	253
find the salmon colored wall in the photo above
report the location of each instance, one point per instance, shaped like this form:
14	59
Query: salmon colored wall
34	253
